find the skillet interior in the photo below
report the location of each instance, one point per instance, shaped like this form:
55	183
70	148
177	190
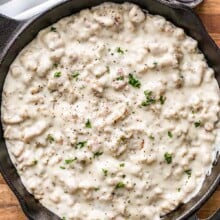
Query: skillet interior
179	15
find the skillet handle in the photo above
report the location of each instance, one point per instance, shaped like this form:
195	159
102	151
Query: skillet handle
215	216
8	27
24	10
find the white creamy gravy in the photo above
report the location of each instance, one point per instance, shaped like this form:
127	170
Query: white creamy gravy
111	114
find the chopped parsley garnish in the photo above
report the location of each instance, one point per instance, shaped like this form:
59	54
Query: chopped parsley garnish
133	81
69	161
120	185
170	134
105	172
96	188
75	74
149	98
34	162
53	29
155	63
88	124
123	176
168	157
178	189
121	164
188	172
55	65
194	110
197	124
97	154
119	50
151	137
62	167
81	144
108	69
57	74
50	138
162	100
64	218
148	94
120	78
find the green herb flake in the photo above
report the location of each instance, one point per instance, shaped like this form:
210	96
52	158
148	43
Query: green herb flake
149	98
168	157
162	100
120	78
123	176
81	144
179	189
88	124
119	50
151	137
105	172
53	29
121	164
55	65
64	218
75	74
57	74
69	161
148	93
119	185
50	138
155	63
96	188
133	81
97	154
188	172
62	167
197	124
108	69
34	162
169	133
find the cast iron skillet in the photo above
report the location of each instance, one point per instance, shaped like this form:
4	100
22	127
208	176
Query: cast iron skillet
14	35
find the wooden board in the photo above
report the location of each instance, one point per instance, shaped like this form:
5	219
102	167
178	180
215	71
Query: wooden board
209	12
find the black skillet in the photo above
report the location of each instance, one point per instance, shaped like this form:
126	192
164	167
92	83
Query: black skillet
14	35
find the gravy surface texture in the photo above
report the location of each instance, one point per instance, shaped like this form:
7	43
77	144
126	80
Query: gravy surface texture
111	113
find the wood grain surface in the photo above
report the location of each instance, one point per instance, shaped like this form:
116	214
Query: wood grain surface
209	11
